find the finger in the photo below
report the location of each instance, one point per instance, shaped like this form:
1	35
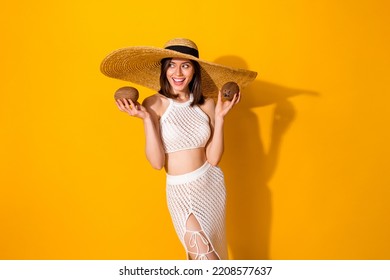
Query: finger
126	103
219	96
136	108
239	97
120	105
131	103
134	105
234	100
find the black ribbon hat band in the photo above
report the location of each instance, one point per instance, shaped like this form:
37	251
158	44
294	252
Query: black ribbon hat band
185	50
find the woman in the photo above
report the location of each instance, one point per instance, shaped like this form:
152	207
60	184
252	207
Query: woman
184	134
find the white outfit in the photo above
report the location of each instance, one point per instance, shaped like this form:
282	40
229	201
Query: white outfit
184	127
200	192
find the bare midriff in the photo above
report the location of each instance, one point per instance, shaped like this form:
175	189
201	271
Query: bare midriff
185	161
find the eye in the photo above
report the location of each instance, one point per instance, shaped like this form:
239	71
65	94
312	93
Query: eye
186	66
171	64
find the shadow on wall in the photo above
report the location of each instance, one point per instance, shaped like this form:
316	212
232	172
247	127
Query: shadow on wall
248	166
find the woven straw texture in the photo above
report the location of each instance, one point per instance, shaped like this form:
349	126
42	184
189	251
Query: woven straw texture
141	65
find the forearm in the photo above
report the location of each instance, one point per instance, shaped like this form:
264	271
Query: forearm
153	146
215	149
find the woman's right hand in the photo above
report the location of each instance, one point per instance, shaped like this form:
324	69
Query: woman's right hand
131	108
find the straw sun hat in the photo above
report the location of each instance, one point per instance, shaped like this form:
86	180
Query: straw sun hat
142	65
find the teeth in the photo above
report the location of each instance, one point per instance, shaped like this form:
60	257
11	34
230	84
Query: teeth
178	80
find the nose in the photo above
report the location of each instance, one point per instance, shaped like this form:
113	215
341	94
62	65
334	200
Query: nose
178	71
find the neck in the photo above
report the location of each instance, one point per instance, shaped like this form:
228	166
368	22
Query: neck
182	96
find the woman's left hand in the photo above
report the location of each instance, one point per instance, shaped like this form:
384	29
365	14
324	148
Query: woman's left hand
223	107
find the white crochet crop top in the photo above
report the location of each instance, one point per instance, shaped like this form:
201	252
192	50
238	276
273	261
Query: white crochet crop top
184	127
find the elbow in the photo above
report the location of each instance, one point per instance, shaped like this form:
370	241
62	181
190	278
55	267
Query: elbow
213	162
157	163
214	158
157	166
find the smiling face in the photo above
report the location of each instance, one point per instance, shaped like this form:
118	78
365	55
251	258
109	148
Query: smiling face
179	75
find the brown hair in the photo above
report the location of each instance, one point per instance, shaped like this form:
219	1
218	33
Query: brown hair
195	85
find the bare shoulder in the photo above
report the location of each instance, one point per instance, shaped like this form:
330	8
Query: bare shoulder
153	100
208	106
157	103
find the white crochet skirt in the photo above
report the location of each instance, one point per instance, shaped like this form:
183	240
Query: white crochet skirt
202	193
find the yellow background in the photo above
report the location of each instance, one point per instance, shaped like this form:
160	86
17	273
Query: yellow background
307	156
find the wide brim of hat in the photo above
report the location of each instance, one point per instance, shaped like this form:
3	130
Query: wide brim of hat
142	65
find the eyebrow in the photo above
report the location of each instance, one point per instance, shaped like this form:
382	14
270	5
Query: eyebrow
181	63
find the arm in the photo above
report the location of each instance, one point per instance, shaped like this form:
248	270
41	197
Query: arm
154	150
215	147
